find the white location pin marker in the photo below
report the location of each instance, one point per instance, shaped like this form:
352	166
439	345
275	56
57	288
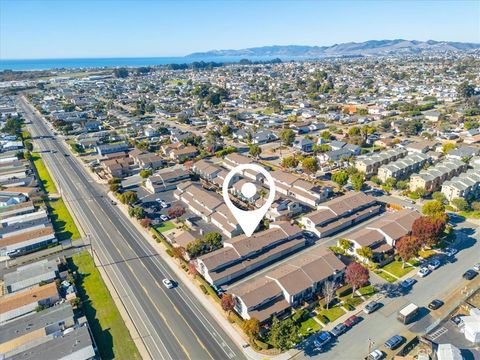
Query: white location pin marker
248	220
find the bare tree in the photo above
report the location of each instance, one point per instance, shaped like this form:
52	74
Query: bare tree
328	291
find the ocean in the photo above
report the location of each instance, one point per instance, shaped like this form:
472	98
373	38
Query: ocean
48	64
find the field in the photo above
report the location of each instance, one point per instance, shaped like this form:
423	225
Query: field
62	221
45	179
110	333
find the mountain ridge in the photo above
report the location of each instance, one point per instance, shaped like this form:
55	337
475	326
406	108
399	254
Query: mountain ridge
366	48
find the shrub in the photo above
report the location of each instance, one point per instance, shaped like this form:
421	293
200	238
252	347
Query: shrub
204	289
348	306
323	319
261	344
169	252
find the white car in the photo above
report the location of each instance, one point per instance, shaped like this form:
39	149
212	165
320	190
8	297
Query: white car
375	355
164	217
450	251
435	264
167	283
476	267
424	271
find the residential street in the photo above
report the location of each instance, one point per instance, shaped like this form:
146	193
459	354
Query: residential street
383	323
171	322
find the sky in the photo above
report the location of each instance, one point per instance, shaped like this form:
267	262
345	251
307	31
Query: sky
37	29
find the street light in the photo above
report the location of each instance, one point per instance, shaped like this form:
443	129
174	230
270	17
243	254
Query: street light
370	345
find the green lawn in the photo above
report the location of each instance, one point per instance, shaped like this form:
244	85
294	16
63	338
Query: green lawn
165	226
45	179
426	253
386	276
470	214
353	301
396	268
110	333
333	313
368	290
62	221
309	323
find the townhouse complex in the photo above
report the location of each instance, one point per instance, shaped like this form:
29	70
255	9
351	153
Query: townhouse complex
432	178
402	168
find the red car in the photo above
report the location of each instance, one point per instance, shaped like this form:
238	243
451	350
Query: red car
352	320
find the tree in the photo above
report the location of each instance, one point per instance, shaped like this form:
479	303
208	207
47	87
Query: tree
283	333
287	136
289	162
356	275
340	177
28	145
178	252
345	244
114	187
192	269
145	222
447	147
226	130
228	302
437	195
428	230
460	204
145	173
476	205
326	135
310	165
408	247
433	208
365	252
255	151
401	184
13	127
120	73
357	180
128	197
137	212
328	292
176	211
465	90
251	328
213	239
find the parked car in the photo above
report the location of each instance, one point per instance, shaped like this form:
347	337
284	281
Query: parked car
351	321
338	330
424	271
407	283
450	251
322	339
167	283
457	320
469	274
164	217
375	355
435	304
476	267
393	342
371	307
434	264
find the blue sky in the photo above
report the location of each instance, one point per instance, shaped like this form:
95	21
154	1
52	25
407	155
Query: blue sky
108	28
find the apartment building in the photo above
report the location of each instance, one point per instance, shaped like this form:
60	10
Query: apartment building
242	255
370	164
209	206
287	286
403	168
432	178
299	189
165	180
466	185
381	235
232	160
340	213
